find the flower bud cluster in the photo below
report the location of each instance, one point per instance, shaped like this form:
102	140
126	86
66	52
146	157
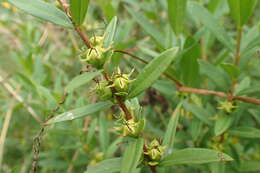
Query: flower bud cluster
119	81
154	152
132	127
98	55
227	106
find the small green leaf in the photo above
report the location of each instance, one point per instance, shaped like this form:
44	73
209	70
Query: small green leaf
194	156
91	130
147	26
78	10
103	132
44	11
176	14
196	128
132	156
189	65
169	135
106	166
231	70
200	113
217	75
222	124
243	85
80	112
110	33
80	80
241	10
245	132
152	72
210	22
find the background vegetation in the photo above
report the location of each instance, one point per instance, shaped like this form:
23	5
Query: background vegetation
218	44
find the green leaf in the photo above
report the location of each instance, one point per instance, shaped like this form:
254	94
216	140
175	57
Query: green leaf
217	75
241	10
222	124
250	166
169	135
80	112
196	128
78	9
152	72
217	167
106	166
44	11
81	80
245	132
45	93
199	112
103	133
194	156
110	32
189	65
132	156
231	70
176	14
91	130
211	23
243	85
147	26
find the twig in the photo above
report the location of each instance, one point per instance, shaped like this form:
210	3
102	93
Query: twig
4	131
71	166
82	35
119	100
180	87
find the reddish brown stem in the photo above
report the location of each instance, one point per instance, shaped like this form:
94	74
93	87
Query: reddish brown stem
83	37
182	88
119	100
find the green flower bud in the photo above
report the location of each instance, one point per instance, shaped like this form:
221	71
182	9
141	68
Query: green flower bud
98	55
103	90
121	82
132	127
154	153
227	106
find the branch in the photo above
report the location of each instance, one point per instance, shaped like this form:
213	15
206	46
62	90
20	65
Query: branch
119	100
82	35
180	87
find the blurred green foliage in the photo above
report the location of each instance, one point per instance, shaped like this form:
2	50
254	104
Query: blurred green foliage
39	59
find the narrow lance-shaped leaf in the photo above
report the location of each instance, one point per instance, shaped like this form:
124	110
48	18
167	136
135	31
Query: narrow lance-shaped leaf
194	156
132	156
110	32
176	14
81	80
210	22
147	26
199	112
245	132
44	11
80	112
106	166
169	136
241	10
78	10
222	124
152	72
